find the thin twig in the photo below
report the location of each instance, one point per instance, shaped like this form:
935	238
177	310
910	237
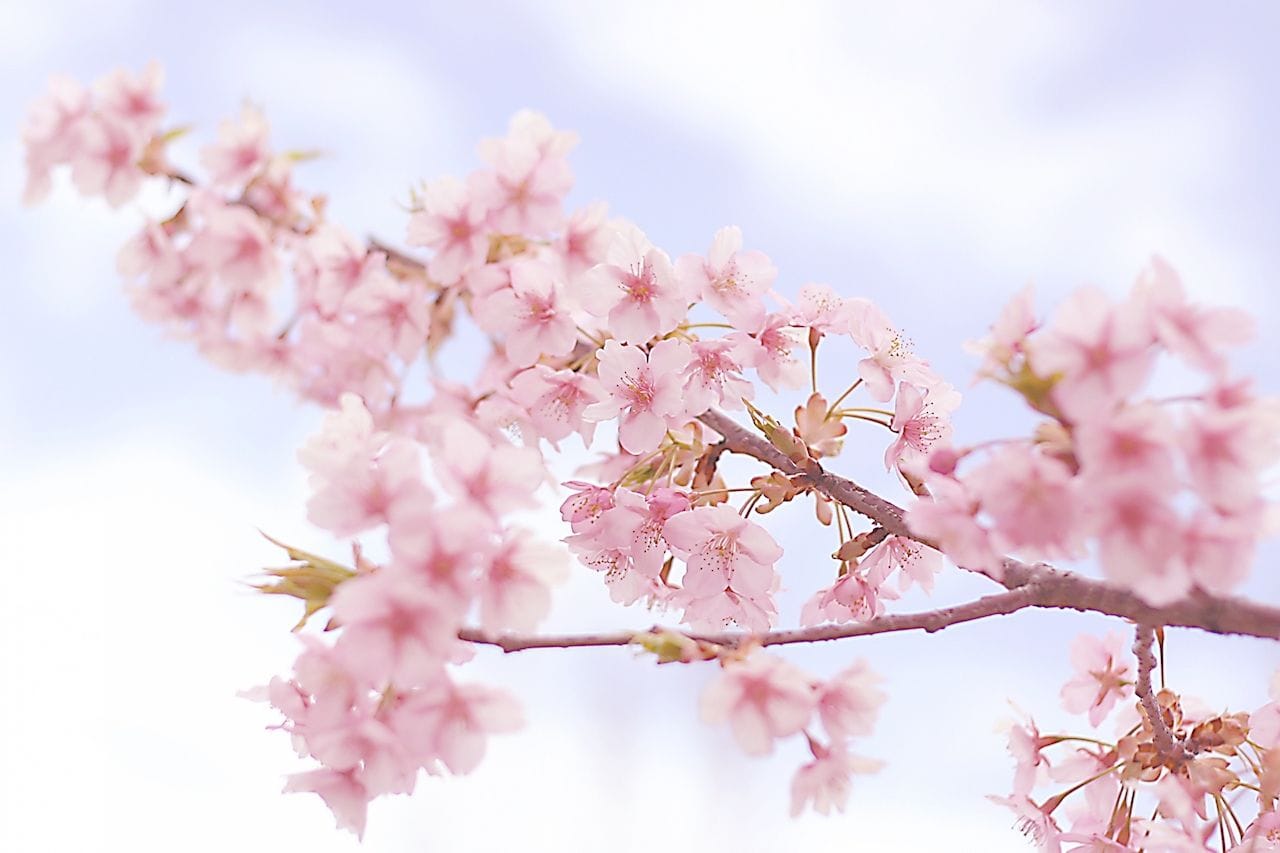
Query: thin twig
931	621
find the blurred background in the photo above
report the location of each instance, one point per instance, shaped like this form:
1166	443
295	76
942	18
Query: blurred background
933	157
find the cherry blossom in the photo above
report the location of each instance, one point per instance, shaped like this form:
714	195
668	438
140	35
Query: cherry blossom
849	703
556	401
762	698
1195	333
241	150
722	550
133	99
450	221
1103	676
714	378
890	359
106	159
394	629
921	419
634	289
452	721
50	135
824	782
728	279
515	582
643	391
1032	499
530	314
768	348
527	181
1102	351
587	322
343	793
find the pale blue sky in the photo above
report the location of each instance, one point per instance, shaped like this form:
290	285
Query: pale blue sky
934	158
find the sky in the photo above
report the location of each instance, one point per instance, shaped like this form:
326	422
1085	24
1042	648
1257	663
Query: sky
933	157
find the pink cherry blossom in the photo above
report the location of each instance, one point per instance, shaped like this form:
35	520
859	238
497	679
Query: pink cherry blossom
585	508
820	308
241	151
105	160
1032	499
1227	448
391	315
762	698
949	518
644	392
531	128
362	741
1195	333
583	241
916	563
50	135
824	782
343	793
635	289
768	348
1217	550
339	264
236	247
453	721
890	359
515	582
1138	538
729	279
441	548
849	703
1102	351
714	378
530	313
635	525
494	476
721	549
854	597
525	185
1026	745
393	629
1135	440
556	400
133	99
1264	723
1103	676
921	417
450	221
358	474
1008	336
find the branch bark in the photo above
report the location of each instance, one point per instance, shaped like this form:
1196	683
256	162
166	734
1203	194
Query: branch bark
1168	747
1001	604
1053	588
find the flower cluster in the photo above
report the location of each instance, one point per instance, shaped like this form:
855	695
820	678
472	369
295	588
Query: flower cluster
595	332
1125	792
1167	492
763	698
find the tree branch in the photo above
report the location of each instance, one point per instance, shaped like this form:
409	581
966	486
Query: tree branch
931	621
1053	588
1167	747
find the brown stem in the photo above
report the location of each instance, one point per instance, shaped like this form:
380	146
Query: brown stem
1054	588
1166	745
1001	604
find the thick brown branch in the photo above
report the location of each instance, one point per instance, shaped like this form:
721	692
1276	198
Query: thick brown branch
862	501
1166	746
1053	588
934	620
